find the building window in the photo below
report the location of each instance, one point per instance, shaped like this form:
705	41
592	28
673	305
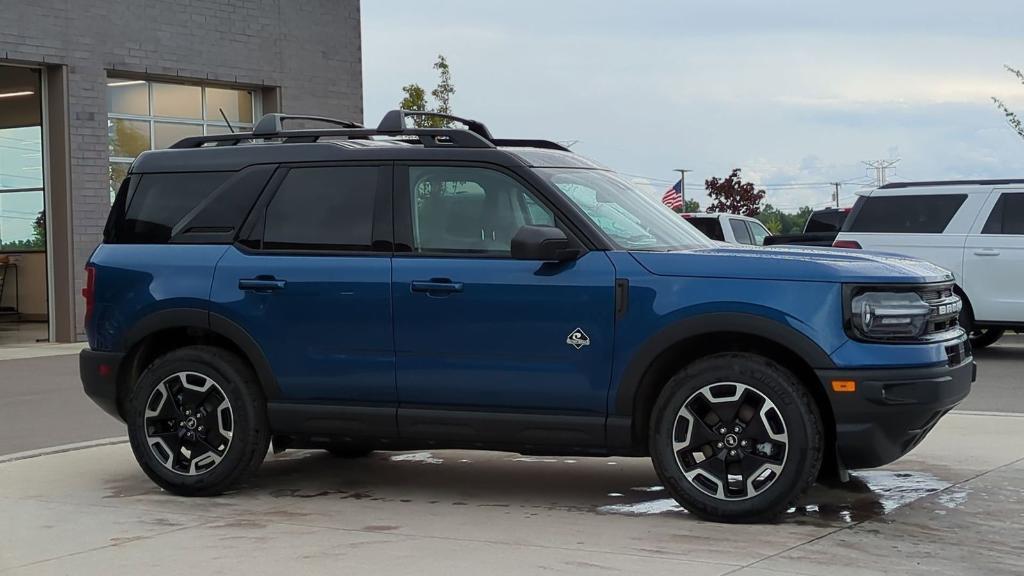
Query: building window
22	221
144	115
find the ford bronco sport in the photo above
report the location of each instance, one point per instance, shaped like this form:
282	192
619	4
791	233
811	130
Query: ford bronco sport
396	288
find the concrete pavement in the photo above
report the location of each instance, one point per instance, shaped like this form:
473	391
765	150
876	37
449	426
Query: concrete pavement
953	506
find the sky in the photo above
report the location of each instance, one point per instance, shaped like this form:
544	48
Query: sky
795	93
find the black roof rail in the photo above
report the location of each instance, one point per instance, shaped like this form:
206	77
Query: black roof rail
394	122
272	124
922	183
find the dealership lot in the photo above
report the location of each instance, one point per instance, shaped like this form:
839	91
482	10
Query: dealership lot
955	505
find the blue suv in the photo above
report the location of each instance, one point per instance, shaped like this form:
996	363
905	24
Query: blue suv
357	289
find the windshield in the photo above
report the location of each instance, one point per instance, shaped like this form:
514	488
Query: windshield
631	219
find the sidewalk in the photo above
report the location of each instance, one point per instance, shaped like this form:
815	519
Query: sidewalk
954	506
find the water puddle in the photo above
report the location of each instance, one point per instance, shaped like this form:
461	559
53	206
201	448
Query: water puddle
868	494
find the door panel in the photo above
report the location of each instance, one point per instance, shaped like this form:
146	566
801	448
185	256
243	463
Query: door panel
477	331
313	284
994	260
501	342
326	330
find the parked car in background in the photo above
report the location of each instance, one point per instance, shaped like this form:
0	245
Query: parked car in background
821	229
729	228
975	229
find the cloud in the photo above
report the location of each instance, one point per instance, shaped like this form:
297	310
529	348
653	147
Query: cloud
790	91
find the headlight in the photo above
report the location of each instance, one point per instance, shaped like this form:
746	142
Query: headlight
889	315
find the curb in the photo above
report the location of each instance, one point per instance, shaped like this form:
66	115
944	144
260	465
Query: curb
63	448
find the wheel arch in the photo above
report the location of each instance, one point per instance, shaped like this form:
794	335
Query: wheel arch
674	347
166	330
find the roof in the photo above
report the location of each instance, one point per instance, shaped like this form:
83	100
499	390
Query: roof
926	183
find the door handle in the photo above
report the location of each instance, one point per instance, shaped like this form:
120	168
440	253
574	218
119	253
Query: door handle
436	286
261	284
986	252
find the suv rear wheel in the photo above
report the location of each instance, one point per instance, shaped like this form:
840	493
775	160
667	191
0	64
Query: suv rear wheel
736	438
197	421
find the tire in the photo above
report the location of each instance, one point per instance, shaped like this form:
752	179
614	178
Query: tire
777	450
984	337
350	451
174	397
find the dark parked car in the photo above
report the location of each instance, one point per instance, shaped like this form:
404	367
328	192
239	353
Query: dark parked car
821	229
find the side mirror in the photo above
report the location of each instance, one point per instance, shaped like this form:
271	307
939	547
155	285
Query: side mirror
545	243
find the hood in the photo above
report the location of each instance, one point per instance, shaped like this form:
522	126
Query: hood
788	263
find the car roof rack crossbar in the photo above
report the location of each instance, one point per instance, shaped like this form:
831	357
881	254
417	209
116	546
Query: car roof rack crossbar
272	124
394	122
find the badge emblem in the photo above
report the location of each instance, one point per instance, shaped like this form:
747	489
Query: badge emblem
578	339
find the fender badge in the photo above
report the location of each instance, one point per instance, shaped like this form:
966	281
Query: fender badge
578	339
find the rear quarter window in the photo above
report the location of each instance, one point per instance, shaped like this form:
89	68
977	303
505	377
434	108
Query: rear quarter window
917	214
711	227
159	202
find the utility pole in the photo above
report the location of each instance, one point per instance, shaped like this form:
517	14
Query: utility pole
682	184
880	167
835	195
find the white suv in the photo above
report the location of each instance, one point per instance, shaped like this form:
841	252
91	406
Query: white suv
974	229
730	228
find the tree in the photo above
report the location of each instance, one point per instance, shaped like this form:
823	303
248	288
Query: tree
779	222
416	97
1011	117
691	205
734	196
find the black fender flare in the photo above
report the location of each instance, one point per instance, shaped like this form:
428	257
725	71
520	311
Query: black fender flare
198	318
711	323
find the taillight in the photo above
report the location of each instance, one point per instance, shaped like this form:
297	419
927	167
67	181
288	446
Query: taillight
89	290
853	244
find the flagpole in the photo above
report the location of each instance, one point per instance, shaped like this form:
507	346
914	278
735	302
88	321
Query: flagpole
682	184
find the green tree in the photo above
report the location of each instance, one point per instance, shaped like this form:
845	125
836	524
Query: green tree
1011	117
416	97
779	222
691	205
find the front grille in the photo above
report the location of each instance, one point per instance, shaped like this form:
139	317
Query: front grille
945	308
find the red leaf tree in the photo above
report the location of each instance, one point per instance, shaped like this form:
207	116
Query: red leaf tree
734	196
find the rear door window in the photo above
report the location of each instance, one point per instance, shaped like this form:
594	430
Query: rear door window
160	201
1007	216
917	214
825	221
740	231
323	208
711	227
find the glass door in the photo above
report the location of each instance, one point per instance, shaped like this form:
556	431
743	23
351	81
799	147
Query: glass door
24	311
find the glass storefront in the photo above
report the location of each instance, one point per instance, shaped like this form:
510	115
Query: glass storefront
146	115
23	265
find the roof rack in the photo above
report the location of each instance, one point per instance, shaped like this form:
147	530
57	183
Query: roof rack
1001	182
270	127
273	123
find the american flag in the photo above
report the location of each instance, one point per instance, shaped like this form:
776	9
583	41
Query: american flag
673	198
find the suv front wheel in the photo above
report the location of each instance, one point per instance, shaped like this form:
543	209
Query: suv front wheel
197	421
735	437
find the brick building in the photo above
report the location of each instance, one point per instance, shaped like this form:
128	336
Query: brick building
87	85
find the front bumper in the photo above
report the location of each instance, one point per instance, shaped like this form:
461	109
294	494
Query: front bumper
892	410
99	378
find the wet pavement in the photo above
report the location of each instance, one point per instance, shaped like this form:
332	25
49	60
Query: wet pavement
953	506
